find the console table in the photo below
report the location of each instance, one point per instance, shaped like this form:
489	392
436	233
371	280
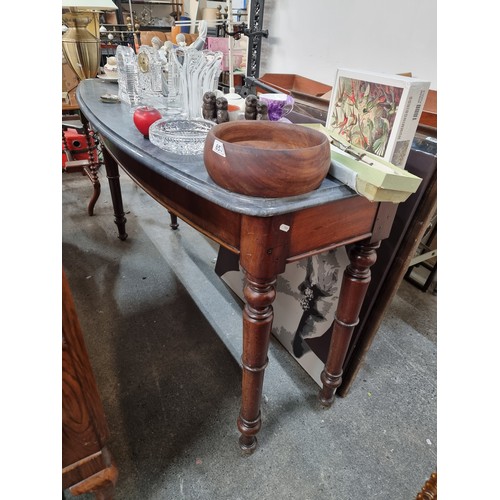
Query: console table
265	233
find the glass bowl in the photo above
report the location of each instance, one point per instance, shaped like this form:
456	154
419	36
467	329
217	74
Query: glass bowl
182	137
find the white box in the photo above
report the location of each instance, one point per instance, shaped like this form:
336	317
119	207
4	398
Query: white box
369	175
377	112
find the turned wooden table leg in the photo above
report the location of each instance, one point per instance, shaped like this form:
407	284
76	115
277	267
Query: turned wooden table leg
257	322
354	285
264	248
116	192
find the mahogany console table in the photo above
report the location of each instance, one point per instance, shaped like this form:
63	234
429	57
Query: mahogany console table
265	233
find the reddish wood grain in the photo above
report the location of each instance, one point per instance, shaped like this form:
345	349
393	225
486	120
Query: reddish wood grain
85	460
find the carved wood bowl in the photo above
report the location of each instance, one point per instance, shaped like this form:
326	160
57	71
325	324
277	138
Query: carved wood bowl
266	159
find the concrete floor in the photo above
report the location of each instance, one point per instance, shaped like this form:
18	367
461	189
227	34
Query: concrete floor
163	335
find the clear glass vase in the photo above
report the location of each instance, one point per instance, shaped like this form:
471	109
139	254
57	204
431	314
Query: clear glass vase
128	76
196	72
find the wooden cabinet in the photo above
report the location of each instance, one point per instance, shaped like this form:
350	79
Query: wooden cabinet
87	465
395	254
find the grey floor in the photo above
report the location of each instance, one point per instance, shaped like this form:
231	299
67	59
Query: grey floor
163	335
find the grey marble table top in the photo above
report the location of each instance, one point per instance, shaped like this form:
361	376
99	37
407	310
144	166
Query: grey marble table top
114	122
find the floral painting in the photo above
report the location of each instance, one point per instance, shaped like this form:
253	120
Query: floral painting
364	112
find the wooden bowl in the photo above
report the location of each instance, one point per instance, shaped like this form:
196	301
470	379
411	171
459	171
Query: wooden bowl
266	159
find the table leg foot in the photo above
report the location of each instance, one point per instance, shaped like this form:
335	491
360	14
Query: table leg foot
248	439
120	221
173	221
330	385
248	444
326	401
122	235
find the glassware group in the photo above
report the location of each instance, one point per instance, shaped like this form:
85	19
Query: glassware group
172	80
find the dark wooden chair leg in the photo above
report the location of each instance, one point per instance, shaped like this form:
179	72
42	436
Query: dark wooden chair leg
116	192
94	179
429	490
93	163
91	166
354	285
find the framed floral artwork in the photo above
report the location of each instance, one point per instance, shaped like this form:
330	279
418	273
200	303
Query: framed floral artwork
377	112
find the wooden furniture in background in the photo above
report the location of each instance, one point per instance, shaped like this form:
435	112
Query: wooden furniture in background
146	11
87	465
428	119
396	252
89	148
429	490
147	36
425	258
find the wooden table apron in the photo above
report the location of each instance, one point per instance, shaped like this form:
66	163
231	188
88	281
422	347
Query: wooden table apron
265	233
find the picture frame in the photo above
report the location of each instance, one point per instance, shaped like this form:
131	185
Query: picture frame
307	296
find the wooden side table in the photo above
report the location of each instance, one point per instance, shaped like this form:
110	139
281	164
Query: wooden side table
87	465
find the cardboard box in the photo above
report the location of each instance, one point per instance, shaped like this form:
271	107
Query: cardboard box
69	79
369	175
373	181
377	112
